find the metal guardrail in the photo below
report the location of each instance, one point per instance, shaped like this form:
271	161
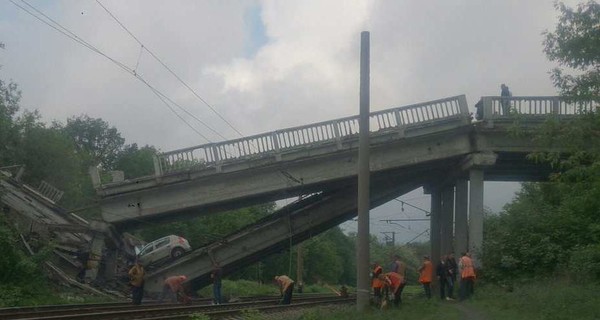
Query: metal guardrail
503	107
279	141
50	192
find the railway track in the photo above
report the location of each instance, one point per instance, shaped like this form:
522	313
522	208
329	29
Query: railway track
166	311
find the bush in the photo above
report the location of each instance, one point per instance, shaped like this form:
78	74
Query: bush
584	265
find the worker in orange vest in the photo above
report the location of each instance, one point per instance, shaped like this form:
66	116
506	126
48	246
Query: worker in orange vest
286	288
376	283
425	275
467	276
395	282
173	289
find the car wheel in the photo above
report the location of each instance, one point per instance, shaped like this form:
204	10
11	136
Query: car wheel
177	252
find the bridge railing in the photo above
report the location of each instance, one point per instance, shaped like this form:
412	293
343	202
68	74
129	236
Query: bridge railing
503	107
337	130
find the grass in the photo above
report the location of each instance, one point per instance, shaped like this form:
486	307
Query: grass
411	308
44	294
549	300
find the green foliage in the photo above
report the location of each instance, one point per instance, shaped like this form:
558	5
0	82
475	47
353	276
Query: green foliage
584	264
251	314
136	162
329	258
412	308
199	316
207	229
547	299
95	139
575	44
9	106
536	233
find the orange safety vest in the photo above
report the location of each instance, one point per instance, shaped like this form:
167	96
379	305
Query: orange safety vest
376	282
426	272
394	280
467	268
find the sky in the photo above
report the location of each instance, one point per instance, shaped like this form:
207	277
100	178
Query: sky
256	66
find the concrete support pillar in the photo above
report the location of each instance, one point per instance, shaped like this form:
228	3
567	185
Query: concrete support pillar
461	222
435	223
446	219
476	214
95	257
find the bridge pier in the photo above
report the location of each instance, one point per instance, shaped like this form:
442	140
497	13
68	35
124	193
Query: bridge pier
476	214
461	222
435	225
446	220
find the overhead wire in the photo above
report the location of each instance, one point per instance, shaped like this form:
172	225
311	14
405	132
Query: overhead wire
71	35
144	47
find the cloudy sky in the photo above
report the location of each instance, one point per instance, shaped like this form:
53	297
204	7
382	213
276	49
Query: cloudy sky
264	65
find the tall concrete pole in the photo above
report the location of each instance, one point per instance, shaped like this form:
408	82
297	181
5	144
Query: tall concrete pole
362	253
300	269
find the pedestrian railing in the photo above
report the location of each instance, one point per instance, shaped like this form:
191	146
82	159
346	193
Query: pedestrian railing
277	142
504	107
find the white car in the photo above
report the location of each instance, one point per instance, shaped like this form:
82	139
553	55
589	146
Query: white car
167	247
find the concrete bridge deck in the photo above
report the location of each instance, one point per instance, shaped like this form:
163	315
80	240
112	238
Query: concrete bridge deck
433	144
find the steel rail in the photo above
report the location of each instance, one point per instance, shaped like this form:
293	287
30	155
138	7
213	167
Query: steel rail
133	312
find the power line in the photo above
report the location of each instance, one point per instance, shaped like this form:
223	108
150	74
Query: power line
415	238
169	69
427	213
66	32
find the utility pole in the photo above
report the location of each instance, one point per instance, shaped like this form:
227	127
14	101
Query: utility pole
362	253
390	241
300	268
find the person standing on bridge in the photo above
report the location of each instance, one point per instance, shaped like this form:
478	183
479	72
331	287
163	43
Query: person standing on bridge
425	275
286	287
136	275
216	275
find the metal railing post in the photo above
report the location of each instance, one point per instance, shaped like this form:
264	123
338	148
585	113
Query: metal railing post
157	166
275	140
556	106
336	133
217	157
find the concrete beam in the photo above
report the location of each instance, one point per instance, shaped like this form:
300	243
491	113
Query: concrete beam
478	160
272	182
310	217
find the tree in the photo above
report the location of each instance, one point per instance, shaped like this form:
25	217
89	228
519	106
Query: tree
136	162
96	140
576	44
9	106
